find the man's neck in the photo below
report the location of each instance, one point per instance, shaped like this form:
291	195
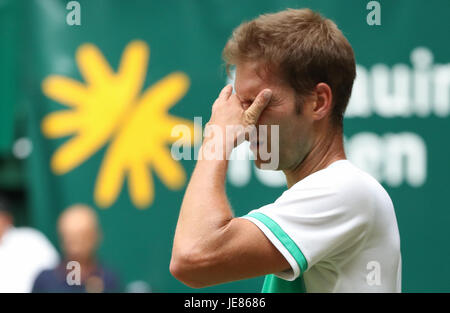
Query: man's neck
326	150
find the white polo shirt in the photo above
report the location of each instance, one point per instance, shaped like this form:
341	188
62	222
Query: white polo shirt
24	253
337	229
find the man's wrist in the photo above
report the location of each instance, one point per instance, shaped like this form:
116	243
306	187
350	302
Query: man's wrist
216	148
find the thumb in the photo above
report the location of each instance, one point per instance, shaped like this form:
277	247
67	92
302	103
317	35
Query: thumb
254	111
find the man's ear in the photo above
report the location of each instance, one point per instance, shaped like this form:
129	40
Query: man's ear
323	101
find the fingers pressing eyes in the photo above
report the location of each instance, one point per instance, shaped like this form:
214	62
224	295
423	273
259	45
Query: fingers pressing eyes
260	103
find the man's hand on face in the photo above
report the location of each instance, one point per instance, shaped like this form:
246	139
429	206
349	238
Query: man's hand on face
230	122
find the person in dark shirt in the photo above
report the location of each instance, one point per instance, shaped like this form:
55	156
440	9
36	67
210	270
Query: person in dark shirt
99	279
80	271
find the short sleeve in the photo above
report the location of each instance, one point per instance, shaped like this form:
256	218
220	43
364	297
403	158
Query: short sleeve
309	224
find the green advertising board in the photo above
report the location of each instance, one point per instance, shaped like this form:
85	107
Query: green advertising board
101	97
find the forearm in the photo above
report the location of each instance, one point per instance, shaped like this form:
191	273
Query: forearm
205	210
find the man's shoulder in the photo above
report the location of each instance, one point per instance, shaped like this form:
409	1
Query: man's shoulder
342	176
342	182
49	275
356	182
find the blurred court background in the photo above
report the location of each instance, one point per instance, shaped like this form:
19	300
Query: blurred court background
397	125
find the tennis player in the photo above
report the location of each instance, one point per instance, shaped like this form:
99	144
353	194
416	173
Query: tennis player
334	229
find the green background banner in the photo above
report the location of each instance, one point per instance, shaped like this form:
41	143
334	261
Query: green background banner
396	125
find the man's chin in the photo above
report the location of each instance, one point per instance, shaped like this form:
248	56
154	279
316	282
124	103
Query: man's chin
267	165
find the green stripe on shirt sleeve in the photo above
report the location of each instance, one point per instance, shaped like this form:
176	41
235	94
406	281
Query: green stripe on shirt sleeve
284	238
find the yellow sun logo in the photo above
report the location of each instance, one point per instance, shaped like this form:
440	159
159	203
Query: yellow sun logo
109	107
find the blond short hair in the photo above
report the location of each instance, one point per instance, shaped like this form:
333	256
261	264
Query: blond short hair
302	48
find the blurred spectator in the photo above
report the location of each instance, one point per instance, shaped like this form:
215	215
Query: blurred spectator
80	235
24	252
